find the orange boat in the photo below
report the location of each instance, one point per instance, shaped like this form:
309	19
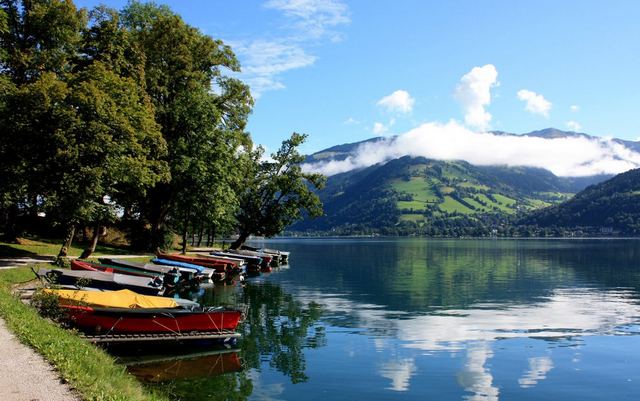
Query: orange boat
212	263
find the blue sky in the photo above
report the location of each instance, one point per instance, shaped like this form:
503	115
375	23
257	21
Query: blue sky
323	67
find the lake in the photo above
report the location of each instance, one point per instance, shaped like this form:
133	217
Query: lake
423	319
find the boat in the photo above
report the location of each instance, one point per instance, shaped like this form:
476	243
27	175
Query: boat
183	303
187	276
209	262
282	256
176	321
112	299
200	270
102	280
249	260
249	256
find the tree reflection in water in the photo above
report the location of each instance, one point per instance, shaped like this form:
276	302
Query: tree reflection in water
278	328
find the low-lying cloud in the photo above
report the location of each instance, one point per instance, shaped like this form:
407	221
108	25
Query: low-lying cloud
569	157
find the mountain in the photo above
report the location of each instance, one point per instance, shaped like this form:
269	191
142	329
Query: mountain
612	206
424	196
416	195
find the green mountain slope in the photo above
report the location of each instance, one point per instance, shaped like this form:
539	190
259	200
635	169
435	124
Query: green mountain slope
612	207
423	196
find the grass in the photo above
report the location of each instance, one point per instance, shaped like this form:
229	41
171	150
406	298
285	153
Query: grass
451	205
479	207
417	187
412	217
48	247
504	200
479	187
536	203
88	369
410	205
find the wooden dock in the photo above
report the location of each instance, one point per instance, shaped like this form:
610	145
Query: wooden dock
222	336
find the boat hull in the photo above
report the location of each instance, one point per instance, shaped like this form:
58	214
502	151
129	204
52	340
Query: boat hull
142	321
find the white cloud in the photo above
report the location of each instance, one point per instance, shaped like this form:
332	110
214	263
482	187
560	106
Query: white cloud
571	156
313	18
474	94
399	101
264	61
351	121
535	103
574	108
574	125
379	128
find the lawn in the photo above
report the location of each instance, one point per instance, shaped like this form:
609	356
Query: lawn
48	247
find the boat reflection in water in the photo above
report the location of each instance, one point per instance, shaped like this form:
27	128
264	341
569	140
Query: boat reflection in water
157	369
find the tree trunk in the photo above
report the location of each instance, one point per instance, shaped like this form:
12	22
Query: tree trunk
94	241
240	241
200	235
12	231
185	230
71	231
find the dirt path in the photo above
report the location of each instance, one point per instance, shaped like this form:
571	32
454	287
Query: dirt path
26	376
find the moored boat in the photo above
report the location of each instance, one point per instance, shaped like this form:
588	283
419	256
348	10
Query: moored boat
96	320
187	276
102	280
209	262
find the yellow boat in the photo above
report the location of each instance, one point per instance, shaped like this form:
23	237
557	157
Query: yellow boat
112	299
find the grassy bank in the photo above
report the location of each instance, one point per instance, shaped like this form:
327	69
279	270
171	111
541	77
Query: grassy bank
51	247
90	370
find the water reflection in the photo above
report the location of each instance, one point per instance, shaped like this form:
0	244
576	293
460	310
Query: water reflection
538	369
206	364
476	378
399	371
473	320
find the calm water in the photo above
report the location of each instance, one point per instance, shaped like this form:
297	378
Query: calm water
429	320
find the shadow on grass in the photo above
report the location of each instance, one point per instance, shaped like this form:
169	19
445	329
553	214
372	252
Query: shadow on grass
12	252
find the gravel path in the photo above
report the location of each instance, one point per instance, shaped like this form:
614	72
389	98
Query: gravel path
26	376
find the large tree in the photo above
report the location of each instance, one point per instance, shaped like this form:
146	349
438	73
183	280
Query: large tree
202	114
77	127
277	192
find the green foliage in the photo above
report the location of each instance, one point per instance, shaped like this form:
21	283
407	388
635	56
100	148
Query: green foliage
78	113
610	208
47	305
204	129
277	192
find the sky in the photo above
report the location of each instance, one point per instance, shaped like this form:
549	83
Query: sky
345	71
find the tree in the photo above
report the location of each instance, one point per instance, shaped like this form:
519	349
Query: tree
39	41
277	192
202	114
83	124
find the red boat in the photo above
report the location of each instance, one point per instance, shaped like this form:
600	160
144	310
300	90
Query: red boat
143	321
80	265
212	263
